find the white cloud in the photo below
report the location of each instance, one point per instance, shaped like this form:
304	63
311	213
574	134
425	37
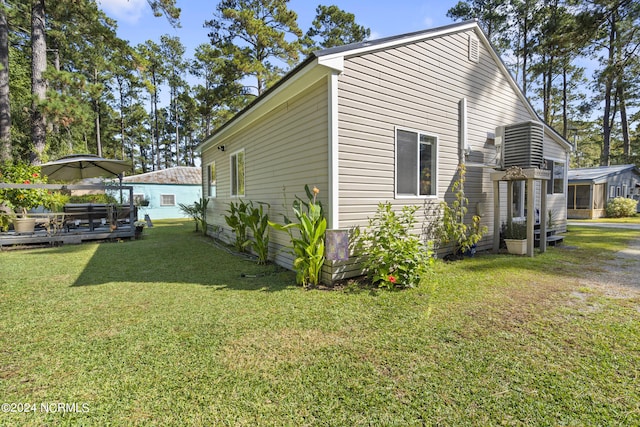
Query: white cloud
129	11
375	35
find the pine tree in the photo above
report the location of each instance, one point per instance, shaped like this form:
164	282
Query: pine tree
252	35
332	27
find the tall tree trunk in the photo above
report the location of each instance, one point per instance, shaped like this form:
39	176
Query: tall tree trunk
38	84
5	107
96	108
175	116
525	52
98	138
622	102
565	103
156	134
608	94
624	121
546	89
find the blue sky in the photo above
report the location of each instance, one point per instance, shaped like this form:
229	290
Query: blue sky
137	24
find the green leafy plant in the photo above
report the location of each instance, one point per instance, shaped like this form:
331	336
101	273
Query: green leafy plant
198	212
452	228
393	255
56	201
237	220
621	207
308	242
6	217
100	198
258	221
22	199
514	230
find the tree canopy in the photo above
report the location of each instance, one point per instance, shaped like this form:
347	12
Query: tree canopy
68	84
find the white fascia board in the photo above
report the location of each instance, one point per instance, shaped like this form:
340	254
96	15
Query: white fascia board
375	46
334	62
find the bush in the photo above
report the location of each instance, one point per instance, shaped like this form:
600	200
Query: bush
514	230
94	198
621	207
22	199
452	228
394	256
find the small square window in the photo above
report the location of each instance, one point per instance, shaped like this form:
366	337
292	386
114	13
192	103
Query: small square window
167	200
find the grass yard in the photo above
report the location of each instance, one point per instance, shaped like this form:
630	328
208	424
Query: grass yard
171	330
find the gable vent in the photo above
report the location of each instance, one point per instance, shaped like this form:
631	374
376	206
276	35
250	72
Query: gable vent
474	48
522	145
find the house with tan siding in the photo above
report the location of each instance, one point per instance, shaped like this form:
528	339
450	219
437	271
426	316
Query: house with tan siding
377	121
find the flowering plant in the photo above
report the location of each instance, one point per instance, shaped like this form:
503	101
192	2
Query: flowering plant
394	257
22	199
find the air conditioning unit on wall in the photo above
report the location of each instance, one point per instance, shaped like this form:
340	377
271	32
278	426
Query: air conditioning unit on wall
521	144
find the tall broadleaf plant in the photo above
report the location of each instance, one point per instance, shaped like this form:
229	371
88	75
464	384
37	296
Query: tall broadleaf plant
307	237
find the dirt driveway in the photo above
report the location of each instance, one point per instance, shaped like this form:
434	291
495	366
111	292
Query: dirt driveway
620	276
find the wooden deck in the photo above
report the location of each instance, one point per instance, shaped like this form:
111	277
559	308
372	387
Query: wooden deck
79	223
12	239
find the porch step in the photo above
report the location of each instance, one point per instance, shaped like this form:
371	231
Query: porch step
552	240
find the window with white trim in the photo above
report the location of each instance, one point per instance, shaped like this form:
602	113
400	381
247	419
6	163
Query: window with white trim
211	180
415	163
167	200
237	173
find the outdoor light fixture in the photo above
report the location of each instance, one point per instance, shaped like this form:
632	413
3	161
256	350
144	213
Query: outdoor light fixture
221	147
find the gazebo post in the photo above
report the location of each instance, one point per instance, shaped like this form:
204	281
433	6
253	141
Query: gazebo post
496	216
543	216
531	216
530	176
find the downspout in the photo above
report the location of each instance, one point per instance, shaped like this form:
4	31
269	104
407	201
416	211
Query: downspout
335	64
463	144
333	216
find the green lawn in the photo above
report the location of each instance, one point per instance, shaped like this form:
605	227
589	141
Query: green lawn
628	220
172	330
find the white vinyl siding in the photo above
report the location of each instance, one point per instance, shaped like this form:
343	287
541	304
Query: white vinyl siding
417	86
284	150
